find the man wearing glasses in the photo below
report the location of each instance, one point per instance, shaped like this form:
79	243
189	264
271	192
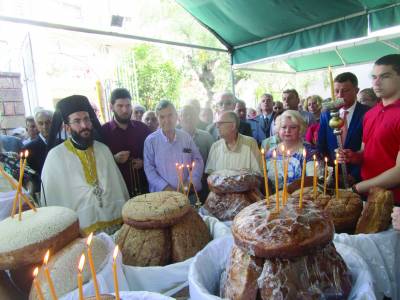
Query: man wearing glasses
81	173
233	150
227	102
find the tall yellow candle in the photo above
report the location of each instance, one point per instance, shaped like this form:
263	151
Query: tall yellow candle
179	178
303	173
114	267
80	280
14	207
331	83
325	174
36	284
265	176
315	177
336	180
91	265
285	175
48	277
276	181
19	190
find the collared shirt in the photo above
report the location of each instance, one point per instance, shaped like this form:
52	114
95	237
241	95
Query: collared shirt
161	155
245	155
130	139
43	139
381	138
203	141
350	112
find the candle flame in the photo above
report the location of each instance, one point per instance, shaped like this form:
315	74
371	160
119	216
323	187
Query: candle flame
262	151
188	166
337	155
21	154
304	152
35	272
283	148
46	257
288	153
335	162
81	263
193	164
326	159
274	154
26	153
116	249
89	239
176	165
316	164
314	157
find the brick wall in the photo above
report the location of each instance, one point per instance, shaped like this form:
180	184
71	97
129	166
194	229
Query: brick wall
12	109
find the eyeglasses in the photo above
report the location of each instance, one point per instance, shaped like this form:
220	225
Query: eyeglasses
223	122
80	122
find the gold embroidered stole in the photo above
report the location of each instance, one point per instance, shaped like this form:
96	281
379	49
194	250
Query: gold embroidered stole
88	161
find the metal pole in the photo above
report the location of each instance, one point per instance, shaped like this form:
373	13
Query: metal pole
232	75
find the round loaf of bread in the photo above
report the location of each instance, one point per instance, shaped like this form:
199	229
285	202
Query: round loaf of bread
63	267
291	232
226	206
155	210
232	181
28	240
345	211
320	275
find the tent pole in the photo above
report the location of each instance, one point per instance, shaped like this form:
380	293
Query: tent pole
232	75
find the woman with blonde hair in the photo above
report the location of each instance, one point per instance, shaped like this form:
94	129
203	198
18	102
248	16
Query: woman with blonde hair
290	128
313	104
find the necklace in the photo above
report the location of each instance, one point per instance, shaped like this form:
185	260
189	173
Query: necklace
88	162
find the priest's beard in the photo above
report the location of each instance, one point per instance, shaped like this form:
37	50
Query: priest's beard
121	119
82	142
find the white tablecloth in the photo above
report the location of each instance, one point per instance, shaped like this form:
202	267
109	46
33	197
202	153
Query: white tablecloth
171	278
381	252
208	265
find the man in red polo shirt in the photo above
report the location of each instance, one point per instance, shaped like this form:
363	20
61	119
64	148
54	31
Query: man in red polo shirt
380	152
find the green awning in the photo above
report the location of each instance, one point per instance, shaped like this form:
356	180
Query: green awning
256	29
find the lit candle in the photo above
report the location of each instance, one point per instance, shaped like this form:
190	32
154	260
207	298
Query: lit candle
315	177
331	83
115	273
14	207
190	179
48	277
91	265
336	180
276	181
325	174
285	174
181	170
179	178
303	172
21	178
265	177
80	281
36	284
315	190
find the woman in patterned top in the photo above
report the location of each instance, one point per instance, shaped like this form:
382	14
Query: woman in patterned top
290	129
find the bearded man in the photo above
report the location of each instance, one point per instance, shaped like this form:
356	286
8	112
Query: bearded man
81	173
125	138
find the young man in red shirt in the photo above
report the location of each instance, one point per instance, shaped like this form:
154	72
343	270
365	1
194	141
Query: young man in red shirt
380	151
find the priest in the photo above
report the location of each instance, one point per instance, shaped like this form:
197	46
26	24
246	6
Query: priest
80	173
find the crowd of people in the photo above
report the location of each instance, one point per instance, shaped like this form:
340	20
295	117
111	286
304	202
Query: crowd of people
94	168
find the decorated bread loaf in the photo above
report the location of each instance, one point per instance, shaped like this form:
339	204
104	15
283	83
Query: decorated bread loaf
28	240
232	181
159	229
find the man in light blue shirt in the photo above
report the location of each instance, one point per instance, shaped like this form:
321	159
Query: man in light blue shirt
167	146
